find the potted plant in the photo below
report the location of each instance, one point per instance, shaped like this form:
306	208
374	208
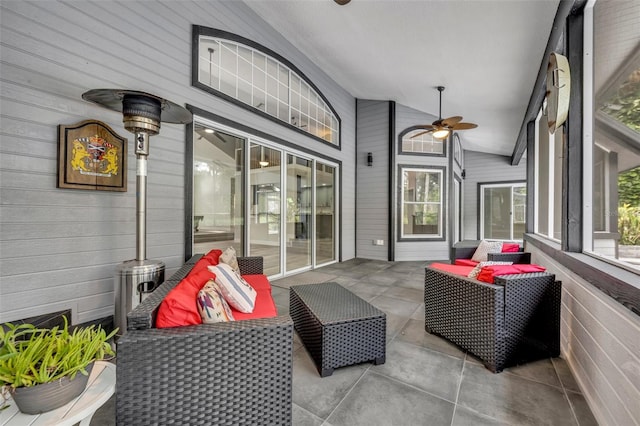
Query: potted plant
44	369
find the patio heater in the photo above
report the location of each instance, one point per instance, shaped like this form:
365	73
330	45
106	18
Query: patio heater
142	114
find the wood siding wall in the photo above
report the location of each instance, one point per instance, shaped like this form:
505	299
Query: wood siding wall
481	167
59	248
599	340
373	182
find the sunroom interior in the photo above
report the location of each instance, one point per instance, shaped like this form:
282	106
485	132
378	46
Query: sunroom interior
307	147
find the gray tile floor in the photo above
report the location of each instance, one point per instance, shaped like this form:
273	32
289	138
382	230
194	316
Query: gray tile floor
426	380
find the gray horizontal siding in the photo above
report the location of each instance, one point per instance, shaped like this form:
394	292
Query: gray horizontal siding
59	248
373	182
599	340
484	168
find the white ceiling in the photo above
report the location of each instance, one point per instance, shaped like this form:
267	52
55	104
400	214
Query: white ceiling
486	53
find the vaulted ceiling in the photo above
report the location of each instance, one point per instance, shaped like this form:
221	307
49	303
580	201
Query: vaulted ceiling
486	53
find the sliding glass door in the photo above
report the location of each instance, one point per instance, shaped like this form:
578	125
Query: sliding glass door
263	199
217	190
265	219
503	211
299	212
325	221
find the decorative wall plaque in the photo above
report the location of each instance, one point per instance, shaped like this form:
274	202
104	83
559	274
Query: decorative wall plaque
91	156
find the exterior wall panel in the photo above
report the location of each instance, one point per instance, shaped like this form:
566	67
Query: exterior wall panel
599	341
60	247
373	182
481	167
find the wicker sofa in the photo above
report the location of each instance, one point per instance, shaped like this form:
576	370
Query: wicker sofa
466	249
231	373
513	321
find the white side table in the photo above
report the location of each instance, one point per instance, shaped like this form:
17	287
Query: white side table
100	387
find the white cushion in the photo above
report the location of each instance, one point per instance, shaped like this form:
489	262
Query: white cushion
476	270
212	306
236	291
229	257
485	247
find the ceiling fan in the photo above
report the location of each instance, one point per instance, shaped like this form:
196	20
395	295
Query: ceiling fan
442	128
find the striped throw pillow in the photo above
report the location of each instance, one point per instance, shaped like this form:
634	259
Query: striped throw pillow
236	291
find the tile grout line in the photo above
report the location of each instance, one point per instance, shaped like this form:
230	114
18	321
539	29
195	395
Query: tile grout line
324	421
395	379
455	404
564	392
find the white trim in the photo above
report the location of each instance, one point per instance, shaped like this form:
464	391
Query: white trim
440	203
536	172
317	118
250	139
587	128
499	185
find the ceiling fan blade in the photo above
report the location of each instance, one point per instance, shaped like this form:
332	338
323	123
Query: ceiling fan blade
422	133
464	126
451	120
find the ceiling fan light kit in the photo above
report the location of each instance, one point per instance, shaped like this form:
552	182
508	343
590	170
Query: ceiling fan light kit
442	128
441	133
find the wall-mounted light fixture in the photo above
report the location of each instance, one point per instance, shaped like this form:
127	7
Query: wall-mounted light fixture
464	173
369	159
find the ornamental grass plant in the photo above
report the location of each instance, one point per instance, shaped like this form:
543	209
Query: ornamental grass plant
30	356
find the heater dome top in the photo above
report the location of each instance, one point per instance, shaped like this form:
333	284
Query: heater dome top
112	99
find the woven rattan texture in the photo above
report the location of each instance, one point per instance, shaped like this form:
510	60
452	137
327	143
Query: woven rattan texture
235	373
513	322
466	249
250	265
337	327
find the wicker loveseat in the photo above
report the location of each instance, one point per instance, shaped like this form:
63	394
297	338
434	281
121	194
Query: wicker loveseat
465	250
233	373
514	320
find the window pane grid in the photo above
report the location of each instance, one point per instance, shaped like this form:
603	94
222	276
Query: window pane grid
424	143
266	84
421	203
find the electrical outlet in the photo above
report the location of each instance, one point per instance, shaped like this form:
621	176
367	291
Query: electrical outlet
378	242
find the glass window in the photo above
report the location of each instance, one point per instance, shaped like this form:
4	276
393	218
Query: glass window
325	213
266	83
502	211
548	177
421	203
421	141
217	190
613	150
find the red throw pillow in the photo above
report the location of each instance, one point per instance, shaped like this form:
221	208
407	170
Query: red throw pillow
452	269
527	268
510	247
179	306
488	273
213	256
209	259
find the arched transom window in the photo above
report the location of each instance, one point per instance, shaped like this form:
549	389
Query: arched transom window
252	75
416	140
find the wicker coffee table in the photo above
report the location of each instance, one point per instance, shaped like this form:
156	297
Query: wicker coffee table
337	327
